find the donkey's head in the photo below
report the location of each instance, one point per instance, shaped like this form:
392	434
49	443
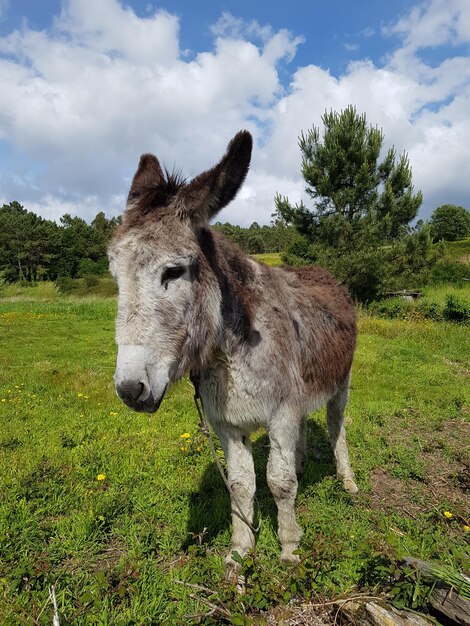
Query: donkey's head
169	299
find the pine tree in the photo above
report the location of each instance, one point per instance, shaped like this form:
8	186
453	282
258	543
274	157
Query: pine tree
361	206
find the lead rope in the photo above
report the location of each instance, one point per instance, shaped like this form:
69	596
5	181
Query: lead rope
204	427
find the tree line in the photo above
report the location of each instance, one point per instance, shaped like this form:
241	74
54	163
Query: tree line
33	248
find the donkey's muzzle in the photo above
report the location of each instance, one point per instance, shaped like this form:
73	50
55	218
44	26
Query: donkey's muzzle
138	396
131	391
139	382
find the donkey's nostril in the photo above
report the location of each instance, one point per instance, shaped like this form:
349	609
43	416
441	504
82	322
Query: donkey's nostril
130	390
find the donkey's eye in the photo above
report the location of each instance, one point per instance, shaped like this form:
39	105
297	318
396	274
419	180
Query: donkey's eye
172	273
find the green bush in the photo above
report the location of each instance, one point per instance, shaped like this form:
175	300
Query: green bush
91	280
106	287
89	285
293	260
391	307
455	310
65	284
429	310
300	247
449	272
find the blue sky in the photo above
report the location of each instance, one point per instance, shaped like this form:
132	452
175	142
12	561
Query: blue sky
87	86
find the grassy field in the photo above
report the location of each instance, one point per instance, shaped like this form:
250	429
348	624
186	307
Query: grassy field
125	514
269	258
458	250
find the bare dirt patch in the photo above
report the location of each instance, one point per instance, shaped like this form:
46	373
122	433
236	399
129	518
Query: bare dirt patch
445	455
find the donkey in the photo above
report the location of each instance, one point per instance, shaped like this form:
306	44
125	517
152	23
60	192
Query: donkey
269	345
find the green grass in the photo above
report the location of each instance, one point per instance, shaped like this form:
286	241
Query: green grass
43	290
114	548
269	258
457	250
439	293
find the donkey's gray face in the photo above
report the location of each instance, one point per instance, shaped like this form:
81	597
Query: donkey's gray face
169	301
156	280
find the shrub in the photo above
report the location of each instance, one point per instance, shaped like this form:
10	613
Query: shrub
106	287
65	284
300	247
429	310
391	307
91	280
449	272
455	310
89	285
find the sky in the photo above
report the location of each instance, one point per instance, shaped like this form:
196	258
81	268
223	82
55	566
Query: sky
86	86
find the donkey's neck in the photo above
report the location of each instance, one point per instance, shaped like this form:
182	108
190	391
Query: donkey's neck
235	274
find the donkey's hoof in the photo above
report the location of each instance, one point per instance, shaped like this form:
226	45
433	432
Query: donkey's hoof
232	573
232	564
233	576
350	485
287	554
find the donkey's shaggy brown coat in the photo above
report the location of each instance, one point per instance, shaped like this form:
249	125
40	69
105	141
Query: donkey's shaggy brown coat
269	344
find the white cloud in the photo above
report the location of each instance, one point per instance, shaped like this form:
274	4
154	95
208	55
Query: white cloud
109	28
434	23
81	101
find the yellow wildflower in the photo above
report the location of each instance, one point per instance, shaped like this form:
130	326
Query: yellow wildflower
199	448
101	477
112	413
448	514
185	436
183	448
466	529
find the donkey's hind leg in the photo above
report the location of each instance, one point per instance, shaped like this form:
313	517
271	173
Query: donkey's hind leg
337	434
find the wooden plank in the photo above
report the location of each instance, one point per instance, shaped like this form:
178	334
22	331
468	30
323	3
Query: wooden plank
451	604
379	613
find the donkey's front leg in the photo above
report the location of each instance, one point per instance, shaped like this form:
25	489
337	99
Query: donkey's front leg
241	478
284	435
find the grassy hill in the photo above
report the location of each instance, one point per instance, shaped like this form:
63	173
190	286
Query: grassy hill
457	251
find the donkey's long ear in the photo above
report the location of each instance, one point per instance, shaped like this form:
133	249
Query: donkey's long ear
149	174
209	192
